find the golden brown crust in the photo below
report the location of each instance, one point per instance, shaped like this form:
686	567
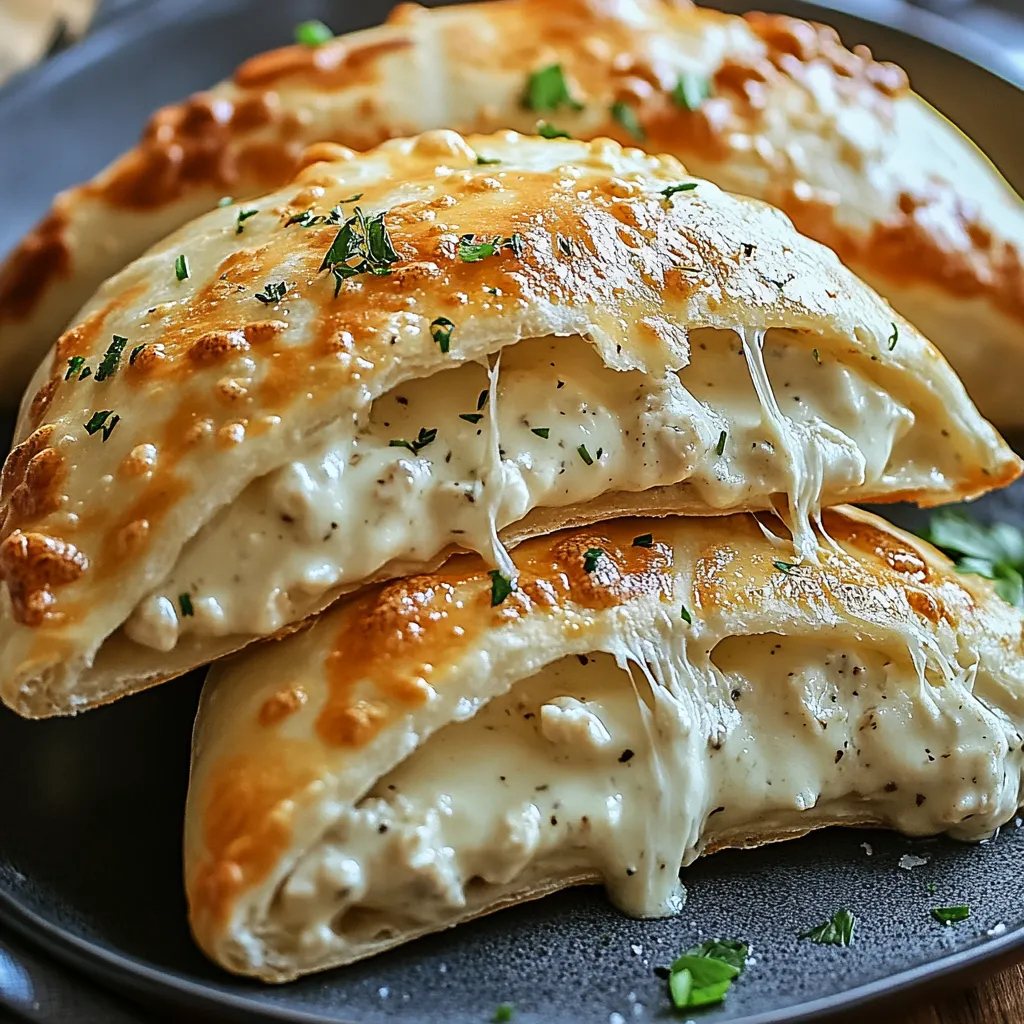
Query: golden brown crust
32	565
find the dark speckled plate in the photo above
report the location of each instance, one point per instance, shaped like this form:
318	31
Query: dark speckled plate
91	829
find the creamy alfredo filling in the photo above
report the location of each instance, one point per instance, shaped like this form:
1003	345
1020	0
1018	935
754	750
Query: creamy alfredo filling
449	459
621	769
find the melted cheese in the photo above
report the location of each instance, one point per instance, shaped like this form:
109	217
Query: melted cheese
582	772
795	426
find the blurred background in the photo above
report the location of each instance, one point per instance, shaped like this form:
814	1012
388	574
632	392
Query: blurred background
29	29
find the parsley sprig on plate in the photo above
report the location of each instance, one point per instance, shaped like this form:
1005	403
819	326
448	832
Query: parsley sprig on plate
704	974
994	551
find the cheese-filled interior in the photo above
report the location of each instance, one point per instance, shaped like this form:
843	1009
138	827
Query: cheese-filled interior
620	767
449	460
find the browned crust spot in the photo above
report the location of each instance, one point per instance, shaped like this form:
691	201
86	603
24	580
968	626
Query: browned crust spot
41	258
278	706
32	564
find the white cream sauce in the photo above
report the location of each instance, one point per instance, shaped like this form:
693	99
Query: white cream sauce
567	430
581	771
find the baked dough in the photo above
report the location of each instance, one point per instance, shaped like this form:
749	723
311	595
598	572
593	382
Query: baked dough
832	137
575	332
420	757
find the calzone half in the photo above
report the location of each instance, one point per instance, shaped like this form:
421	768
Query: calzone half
404	353
652	690
764	105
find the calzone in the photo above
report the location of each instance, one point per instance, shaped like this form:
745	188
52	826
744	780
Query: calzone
651	690
410	352
764	105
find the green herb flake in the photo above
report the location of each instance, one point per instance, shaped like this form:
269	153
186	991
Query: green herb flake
185	601
501	587
486	161
994	551
691	91
645	540
102	421
547	89
362	246
273	292
894	337
312	33
424	438
482	399
243	216
627	117
135	354
546	130
87	372
786	567
544	432
817	357
111	358
75	363
684	186
837	931
720	447
225	201
181	268
704	974
441	331
591	557
950	915
503	1013
471	251
932	887
585	455
685	615
471	417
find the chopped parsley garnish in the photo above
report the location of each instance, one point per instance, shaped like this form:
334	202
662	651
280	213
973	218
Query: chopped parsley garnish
243	216
704	974
471	417
817	357
225	201
486	161
564	245
503	1014
273	291
471	251
99	421
87	372
784	566
441	332
309	219
75	363
181	268
720	447
591	557
501	587
185	601
111	358
894	337
837	931
685	615
691	91
686	186
585	455
482	399
312	33
135	354
626	116
305	219
362	246
994	551
546	130
547	89
950	915
424	438
544	432
645	540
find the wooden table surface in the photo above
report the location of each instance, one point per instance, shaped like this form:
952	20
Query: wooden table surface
995	1000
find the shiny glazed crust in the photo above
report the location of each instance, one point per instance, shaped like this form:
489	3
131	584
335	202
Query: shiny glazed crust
213	388
288	731
831	136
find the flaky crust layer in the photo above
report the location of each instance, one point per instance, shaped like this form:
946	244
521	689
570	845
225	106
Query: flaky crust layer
830	135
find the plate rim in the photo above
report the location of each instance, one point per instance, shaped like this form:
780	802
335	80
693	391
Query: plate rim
126	974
